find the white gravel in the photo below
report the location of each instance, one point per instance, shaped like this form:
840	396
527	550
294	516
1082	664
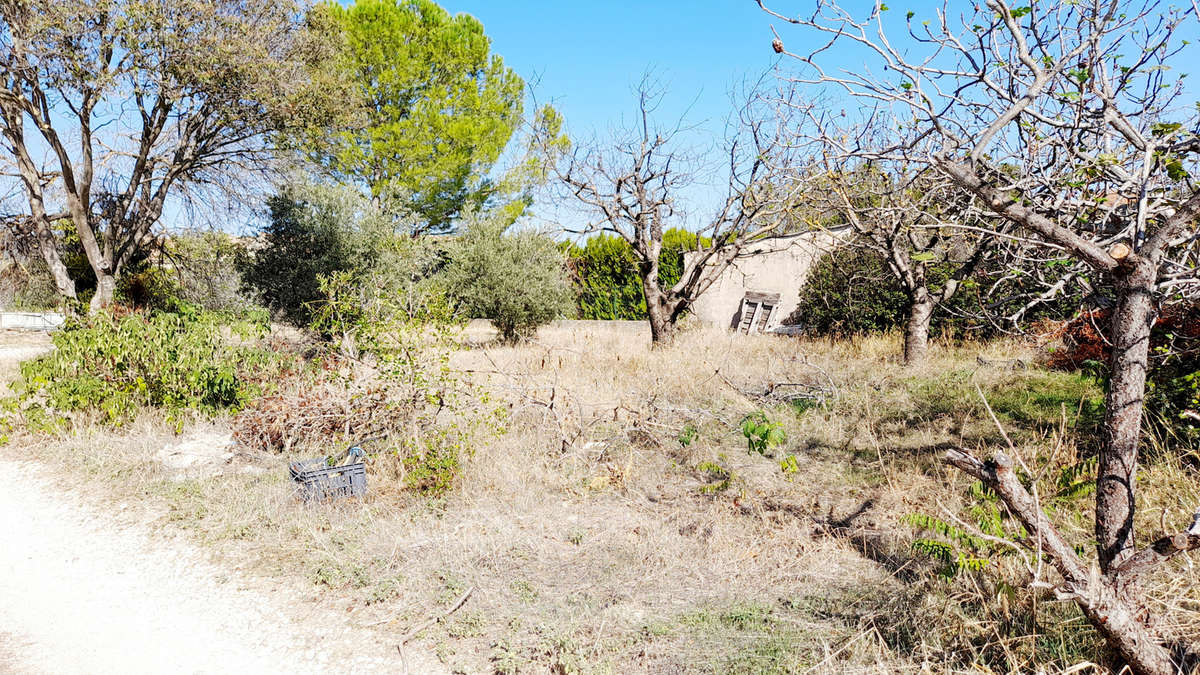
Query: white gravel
82	591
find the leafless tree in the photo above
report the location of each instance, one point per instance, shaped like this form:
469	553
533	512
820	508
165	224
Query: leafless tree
135	103
912	221
1063	119
633	187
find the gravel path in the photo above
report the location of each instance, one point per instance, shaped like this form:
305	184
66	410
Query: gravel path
85	592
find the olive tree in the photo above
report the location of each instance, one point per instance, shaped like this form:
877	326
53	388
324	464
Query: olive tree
517	279
1064	120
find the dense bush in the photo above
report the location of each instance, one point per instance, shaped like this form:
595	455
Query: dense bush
314	230
118	363
607	285
516	279
851	290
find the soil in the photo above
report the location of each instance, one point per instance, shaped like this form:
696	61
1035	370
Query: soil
91	588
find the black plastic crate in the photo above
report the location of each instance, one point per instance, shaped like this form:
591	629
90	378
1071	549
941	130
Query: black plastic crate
318	480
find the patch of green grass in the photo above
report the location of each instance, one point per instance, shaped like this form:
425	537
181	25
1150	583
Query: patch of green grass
525	591
1034	400
739	638
186	501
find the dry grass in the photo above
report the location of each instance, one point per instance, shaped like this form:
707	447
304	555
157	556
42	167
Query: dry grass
597	541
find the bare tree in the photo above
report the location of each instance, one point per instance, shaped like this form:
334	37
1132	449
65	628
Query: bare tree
1063	119
135	103
633	188
914	222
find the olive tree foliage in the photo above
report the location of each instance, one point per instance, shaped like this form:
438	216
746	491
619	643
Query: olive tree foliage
517	279
1066	121
113	109
430	108
632	186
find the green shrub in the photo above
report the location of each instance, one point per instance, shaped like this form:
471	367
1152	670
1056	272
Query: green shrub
153	288
851	290
206	268
116	364
314	230
761	433
606	281
515	279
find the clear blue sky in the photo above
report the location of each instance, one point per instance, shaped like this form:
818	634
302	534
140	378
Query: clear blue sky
587	57
590	55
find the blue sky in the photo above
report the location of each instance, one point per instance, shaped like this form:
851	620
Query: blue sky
587	58
590	55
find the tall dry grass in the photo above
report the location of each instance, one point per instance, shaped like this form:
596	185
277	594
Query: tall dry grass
601	534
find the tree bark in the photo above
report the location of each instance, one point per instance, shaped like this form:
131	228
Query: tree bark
1132	319
1101	599
663	317
106	287
916	329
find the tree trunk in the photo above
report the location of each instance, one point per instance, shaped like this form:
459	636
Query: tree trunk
106	287
916	329
48	245
662	324
662	314
1132	319
1108	608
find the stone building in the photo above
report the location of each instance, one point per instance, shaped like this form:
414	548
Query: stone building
761	287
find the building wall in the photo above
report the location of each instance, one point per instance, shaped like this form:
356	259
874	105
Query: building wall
775	265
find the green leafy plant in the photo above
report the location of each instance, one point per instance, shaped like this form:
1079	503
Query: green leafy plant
761	433
115	364
688	435
789	466
956	550
719	477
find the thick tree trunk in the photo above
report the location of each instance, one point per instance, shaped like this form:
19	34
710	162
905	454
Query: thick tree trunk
663	314
662	329
1129	332
106	287
916	329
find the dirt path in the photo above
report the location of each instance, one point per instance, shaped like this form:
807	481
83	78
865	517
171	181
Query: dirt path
82	592
85	590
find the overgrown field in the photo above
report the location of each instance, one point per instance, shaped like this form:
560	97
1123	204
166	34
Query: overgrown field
731	504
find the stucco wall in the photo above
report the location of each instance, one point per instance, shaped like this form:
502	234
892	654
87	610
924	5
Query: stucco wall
776	265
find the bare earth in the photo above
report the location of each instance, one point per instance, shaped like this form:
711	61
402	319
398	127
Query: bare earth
84	593
86	590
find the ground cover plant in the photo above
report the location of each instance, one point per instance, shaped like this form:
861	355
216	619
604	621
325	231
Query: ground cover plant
117	363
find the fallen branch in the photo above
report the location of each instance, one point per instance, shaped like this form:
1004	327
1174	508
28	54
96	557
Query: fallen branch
441	617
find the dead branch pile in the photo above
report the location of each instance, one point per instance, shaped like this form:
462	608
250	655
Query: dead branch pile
317	414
